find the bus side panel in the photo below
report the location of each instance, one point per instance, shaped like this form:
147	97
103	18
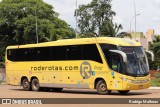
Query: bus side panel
84	76
13	73
51	74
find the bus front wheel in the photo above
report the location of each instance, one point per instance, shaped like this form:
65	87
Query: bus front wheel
101	87
123	92
35	84
26	84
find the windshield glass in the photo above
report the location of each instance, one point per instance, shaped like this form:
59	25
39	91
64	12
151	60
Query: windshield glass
137	64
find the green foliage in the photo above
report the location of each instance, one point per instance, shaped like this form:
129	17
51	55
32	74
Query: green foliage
18	23
157	75
155	82
124	34
155	47
97	16
108	28
86	35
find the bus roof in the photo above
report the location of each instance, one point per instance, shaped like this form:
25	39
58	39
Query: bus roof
107	40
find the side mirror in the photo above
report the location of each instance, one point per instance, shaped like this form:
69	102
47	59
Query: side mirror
152	54
124	56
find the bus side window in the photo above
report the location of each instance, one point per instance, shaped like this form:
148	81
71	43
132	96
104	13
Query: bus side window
44	54
11	54
74	52
15	54
59	53
19	54
90	52
30	54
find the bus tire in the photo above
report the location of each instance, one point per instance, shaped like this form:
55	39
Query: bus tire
123	92
26	84
35	84
57	89
101	87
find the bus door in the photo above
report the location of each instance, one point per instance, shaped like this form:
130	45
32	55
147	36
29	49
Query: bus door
117	71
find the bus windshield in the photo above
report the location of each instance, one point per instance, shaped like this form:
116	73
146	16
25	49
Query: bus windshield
137	64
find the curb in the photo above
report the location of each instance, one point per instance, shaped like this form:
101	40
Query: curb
154	88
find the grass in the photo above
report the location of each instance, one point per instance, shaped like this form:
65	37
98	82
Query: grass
2	82
155	82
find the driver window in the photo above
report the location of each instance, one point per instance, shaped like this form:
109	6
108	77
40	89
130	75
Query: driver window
116	63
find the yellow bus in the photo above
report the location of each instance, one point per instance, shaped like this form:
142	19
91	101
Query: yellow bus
103	63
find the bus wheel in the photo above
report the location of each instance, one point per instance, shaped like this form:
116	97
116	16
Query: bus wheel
26	84
102	88
57	89
124	92
35	84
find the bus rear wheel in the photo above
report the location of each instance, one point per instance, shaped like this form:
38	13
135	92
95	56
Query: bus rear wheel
26	84
101	87
35	84
123	92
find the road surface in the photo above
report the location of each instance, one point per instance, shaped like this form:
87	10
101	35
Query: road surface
7	91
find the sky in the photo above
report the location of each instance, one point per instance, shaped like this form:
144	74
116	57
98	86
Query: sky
148	10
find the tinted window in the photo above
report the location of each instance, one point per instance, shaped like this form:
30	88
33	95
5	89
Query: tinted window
59	53
30	54
16	54
20	54
11	54
78	52
74	52
44	53
90	52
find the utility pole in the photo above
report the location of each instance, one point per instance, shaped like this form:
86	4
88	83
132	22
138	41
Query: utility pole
131	21
135	13
76	18
36	24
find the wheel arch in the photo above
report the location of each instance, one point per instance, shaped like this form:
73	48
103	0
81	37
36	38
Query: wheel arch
22	78
33	77
98	79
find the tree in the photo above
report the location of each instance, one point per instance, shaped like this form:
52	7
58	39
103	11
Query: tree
124	34
18	23
156	39
155	47
97	17
110	29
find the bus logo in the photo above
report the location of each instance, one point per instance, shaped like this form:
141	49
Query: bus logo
85	70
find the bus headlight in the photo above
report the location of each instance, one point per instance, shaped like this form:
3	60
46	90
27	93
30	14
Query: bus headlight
125	79
135	81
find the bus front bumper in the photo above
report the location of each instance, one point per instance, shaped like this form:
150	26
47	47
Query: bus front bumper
135	86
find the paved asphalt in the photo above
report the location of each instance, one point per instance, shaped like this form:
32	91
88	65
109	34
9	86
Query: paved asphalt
7	91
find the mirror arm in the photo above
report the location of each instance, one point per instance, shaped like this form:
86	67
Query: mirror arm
124	56
152	54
